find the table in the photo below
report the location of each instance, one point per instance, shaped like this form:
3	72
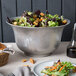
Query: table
16	59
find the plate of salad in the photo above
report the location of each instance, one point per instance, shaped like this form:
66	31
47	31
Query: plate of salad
55	68
38	19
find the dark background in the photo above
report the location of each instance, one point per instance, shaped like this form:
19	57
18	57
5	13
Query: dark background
13	8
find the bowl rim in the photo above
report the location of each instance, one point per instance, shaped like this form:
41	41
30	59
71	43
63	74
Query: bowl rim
68	22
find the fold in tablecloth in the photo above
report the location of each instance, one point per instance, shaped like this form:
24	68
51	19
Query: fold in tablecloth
22	71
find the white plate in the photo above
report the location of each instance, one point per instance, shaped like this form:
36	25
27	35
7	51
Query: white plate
37	68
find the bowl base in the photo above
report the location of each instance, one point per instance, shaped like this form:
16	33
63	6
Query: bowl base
38	55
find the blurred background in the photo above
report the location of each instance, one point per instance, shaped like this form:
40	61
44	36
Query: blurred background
12	8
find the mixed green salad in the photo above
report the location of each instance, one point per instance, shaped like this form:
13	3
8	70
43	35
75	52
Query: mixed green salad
38	19
59	69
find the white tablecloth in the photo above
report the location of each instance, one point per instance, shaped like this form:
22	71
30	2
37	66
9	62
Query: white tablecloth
16	59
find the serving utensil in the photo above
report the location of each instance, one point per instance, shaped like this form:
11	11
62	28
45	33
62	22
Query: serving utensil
8	50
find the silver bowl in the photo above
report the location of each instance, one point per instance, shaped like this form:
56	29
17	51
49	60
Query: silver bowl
38	40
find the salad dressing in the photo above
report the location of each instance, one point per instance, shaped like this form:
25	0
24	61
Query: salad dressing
71	52
71	49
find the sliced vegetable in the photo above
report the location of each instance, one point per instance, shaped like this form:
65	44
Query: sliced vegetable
62	67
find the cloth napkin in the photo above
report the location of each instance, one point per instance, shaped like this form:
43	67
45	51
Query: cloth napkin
1	74
22	71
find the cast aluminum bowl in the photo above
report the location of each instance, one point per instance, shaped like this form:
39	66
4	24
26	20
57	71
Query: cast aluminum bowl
38	40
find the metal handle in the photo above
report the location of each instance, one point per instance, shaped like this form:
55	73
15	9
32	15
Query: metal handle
10	51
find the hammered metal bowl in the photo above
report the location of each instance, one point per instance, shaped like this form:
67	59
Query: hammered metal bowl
38	40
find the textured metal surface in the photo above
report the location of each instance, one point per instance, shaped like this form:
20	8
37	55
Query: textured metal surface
38	40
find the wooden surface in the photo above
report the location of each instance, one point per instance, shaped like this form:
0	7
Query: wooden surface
15	60
12	8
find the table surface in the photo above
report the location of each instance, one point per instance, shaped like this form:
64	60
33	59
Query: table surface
15	60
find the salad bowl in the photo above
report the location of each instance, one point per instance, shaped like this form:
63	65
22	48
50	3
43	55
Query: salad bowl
37	33
38	40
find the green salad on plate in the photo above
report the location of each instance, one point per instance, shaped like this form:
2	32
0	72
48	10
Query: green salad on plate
59	69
